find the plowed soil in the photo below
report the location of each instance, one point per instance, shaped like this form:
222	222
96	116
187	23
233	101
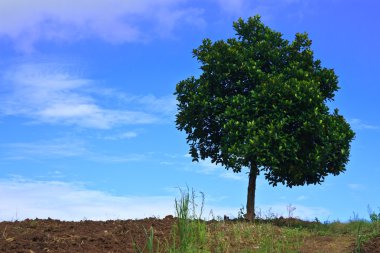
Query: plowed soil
372	246
35	236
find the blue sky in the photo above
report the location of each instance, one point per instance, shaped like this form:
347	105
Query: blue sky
87	107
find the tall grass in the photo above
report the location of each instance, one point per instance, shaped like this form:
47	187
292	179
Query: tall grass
192	234
149	246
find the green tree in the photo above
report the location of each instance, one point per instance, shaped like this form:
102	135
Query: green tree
260	103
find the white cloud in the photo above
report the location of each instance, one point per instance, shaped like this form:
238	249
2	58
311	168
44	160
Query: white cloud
207	167
300	211
166	104
117	158
54	93
62	148
356	186
268	9
235	7
302	197
53	148
167	163
114	21
359	124
121	136
234	176
23	199
68	201
212	169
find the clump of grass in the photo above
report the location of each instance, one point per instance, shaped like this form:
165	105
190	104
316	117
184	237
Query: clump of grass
375	219
367	230
149	244
191	233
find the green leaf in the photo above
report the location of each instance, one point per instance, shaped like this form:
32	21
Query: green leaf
261	99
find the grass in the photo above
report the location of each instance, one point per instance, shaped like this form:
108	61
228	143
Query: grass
191	234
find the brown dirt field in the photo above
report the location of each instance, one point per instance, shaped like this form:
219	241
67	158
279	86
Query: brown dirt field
328	244
372	246
35	236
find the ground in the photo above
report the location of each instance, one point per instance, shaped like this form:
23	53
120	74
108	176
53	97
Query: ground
372	246
48	235
84	236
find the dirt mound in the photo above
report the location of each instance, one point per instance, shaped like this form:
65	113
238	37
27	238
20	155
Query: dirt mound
35	236
373	246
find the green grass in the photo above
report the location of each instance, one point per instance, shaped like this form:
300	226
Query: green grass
191	234
149	246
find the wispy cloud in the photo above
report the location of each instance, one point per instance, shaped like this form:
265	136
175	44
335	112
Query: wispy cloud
23	199
118	21
302	197
54	93
63	148
354	186
206	167
300	211
233	176
117	158
72	201
114	21
234	7
121	136
49	149
268	9
166	104
359	125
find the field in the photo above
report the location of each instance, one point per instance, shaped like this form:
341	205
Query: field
186	232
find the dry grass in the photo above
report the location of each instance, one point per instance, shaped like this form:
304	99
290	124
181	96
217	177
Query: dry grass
273	235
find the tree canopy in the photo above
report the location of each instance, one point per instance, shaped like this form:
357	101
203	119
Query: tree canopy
260	103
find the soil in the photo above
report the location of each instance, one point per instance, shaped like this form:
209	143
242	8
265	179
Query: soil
48	235
35	236
372	246
328	244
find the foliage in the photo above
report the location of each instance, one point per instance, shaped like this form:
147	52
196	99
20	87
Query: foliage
261	102
374	217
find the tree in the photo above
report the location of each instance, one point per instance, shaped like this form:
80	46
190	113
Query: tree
260	103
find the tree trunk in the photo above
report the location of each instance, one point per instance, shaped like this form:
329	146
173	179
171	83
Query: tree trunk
251	193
